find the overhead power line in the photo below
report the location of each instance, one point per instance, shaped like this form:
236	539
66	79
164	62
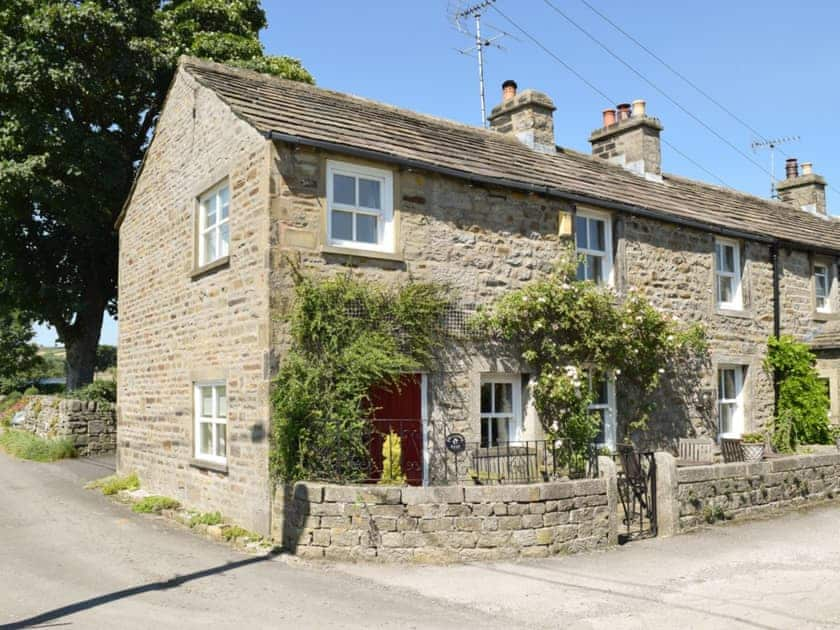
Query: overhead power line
597	90
691	84
676	103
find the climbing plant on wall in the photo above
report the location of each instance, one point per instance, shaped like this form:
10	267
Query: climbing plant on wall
803	404
347	336
568	330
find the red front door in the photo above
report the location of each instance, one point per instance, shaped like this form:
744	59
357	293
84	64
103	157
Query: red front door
399	409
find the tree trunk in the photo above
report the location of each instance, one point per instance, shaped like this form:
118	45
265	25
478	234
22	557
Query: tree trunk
81	348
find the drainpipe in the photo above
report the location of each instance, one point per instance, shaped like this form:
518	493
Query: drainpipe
777	316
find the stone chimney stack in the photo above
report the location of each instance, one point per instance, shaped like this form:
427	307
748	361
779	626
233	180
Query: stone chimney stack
805	190
630	139
528	115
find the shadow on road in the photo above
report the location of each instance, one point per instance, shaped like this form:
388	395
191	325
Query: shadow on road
93	602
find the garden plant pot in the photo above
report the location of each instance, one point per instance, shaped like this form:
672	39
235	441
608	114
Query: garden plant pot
753	452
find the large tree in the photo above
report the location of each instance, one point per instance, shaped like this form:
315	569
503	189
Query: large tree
82	83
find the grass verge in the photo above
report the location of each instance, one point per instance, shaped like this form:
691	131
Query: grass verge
154	504
25	445
208	518
113	484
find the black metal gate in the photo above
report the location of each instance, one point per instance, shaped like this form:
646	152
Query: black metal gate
637	492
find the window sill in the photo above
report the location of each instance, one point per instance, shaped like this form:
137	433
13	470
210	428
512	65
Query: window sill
205	465
361	253
198	272
820	316
734	312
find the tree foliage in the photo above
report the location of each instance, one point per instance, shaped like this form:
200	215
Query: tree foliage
572	332
19	358
81	86
348	336
803	403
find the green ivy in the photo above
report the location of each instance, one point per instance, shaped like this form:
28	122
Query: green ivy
347	337
567	328
803	405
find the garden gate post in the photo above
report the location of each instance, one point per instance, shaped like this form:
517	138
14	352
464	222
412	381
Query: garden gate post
607	471
667	506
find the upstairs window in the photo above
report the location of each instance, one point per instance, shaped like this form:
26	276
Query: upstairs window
822	288
593	239
211	411
501	410
728	274
731	400
360	213
214	225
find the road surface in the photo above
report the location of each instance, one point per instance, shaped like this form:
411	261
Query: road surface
72	558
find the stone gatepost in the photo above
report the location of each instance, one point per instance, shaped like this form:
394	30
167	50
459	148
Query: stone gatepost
607	470
667	505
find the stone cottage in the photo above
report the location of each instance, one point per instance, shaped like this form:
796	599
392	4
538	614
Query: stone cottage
245	170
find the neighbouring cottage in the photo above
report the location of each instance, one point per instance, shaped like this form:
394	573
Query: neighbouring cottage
245	170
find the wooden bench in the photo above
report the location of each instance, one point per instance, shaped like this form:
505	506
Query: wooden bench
695	451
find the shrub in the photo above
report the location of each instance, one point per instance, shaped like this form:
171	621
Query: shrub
98	391
348	336
392	472
803	404
31	391
155	504
235	531
27	445
113	484
753	438
208	518
575	334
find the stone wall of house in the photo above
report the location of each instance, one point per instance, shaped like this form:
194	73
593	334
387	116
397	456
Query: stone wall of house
445	523
180	325
91	425
708	494
673	266
480	241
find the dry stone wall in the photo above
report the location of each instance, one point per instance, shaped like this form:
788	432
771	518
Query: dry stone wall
444	523
91	425
708	494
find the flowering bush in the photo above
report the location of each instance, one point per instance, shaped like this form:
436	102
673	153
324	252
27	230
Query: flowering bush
569	330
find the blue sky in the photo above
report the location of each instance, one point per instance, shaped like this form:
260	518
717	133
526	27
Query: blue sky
772	63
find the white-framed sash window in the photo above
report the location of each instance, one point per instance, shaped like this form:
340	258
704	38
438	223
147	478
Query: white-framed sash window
501	409
360	207
728	274
211	411
603	403
731	400
214	224
593	241
822	288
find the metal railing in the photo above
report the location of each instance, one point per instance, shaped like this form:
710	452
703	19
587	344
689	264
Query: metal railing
517	461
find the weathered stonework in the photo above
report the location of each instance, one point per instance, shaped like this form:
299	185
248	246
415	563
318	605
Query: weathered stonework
91	425
178	327
707	494
443	524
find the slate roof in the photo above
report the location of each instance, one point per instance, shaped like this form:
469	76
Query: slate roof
317	115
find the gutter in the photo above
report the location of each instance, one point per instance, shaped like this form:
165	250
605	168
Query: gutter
516	185
777	318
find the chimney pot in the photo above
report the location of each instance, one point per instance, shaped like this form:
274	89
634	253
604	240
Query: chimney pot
508	89
807	168
638	108
623	111
609	117
791	168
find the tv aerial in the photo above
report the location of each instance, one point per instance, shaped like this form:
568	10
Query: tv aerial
466	17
